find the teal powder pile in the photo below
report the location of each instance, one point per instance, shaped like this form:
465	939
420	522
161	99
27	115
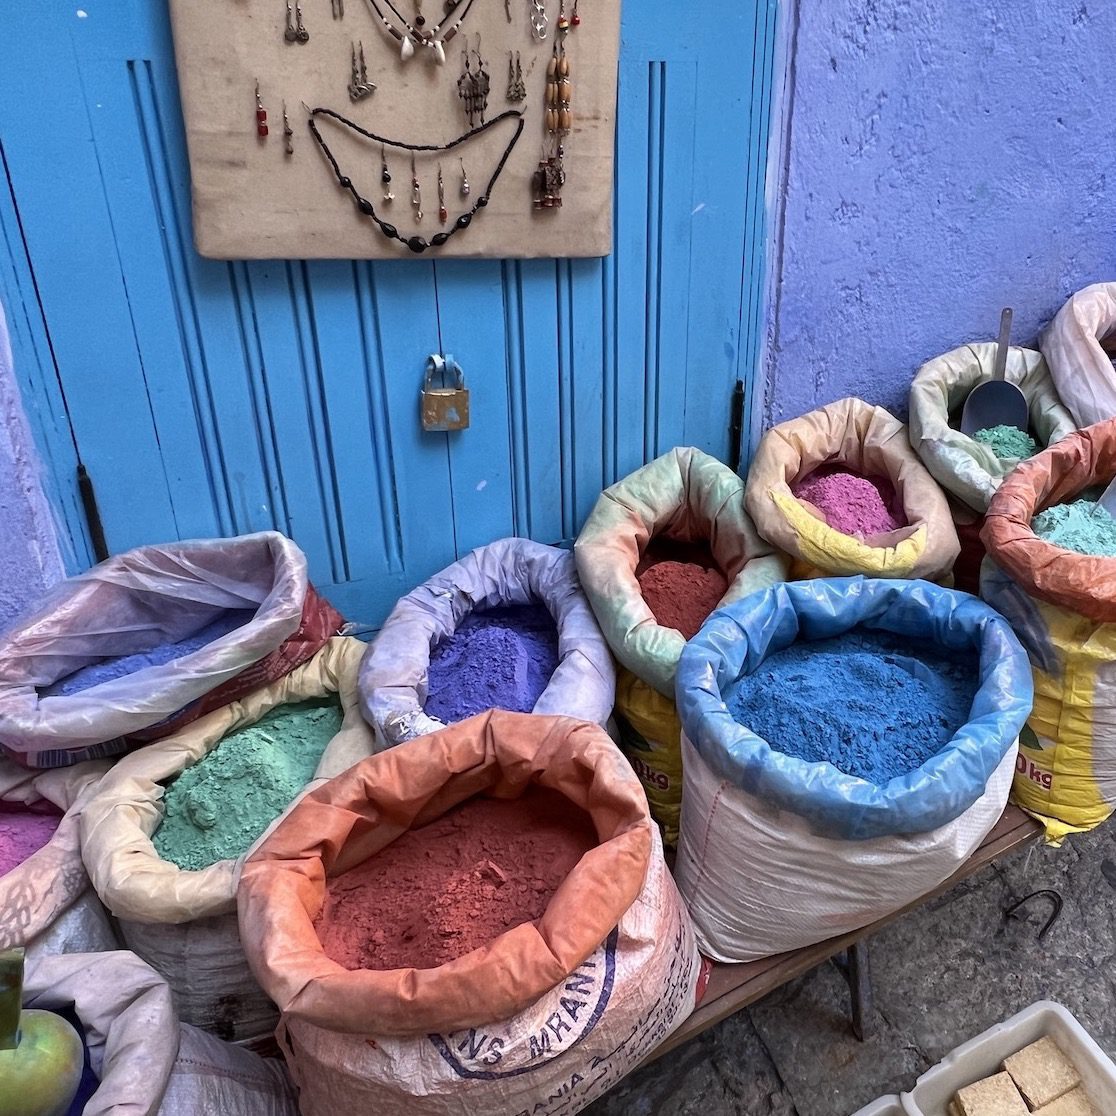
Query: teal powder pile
1008	443
216	809
1080	526
873	704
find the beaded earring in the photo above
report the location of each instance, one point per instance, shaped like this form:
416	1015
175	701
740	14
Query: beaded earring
385	176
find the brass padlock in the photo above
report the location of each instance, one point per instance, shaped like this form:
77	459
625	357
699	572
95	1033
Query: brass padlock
445	407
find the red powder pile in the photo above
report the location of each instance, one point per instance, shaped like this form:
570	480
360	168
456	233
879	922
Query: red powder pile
853	505
441	891
681	585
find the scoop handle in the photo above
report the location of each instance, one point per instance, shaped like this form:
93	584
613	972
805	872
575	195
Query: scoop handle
11	996
999	369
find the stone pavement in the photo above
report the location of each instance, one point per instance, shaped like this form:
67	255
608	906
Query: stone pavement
941	975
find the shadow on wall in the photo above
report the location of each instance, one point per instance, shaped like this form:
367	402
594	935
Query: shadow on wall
941	160
29	555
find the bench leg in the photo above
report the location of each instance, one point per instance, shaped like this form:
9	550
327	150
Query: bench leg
859	976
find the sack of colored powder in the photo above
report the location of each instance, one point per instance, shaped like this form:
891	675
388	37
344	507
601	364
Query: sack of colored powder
147	604
143	1060
777	851
46	903
1062	605
437	644
1078	346
868	442
182	920
682	502
564	1005
966	467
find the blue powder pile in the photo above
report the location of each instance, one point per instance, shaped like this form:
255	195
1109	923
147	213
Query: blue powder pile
1083	526
108	669
499	659
872	704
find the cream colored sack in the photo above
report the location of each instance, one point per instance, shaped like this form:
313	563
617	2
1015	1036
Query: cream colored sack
184	922
145	1061
869	441
46	904
1076	345
759	881
552	1059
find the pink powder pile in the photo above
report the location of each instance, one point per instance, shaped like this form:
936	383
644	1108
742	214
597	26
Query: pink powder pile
23	832
853	505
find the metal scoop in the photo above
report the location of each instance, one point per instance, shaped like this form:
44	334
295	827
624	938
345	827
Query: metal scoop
996	402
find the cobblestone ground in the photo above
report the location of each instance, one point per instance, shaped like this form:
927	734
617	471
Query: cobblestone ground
941	975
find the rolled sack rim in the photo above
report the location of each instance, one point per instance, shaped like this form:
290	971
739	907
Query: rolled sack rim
832	802
1083	583
283	884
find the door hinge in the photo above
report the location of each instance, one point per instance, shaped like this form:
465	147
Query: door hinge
92	514
736	424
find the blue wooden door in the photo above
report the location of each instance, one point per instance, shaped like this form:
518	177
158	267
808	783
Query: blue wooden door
209	398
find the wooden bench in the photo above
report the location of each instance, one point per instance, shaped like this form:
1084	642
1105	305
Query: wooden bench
733	987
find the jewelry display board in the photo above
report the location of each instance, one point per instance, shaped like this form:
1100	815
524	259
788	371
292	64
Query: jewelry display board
378	129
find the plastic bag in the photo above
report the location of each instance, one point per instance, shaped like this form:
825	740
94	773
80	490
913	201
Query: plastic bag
543	1018
962	465
866	440
145	1061
1062	606
556	1056
135	602
393	676
45	902
650	735
183	922
777	853
1074	345
684	496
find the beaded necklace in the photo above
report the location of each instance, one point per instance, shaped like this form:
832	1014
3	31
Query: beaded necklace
416	243
431	37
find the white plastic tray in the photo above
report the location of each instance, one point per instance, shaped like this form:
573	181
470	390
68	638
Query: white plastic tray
981	1057
885	1106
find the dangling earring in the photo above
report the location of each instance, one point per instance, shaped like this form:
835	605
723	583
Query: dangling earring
416	191
290	34
385	176
464	180
300	31
288	131
520	87
482	83
443	213
466	89
261	114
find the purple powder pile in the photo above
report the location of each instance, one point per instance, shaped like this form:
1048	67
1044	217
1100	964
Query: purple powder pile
108	669
23	832
500	659
854	505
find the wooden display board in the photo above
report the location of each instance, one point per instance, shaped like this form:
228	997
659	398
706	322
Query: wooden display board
252	200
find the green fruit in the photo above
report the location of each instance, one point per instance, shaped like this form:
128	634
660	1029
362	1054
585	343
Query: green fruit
40	1077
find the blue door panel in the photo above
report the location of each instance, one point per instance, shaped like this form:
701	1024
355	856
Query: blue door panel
210	397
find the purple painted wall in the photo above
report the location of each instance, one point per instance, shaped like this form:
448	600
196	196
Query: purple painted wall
29	555
942	159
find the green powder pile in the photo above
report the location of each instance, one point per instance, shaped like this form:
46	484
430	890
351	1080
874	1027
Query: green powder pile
1008	443
216	809
1080	526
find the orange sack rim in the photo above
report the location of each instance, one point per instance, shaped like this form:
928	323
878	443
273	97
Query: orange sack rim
354	816
1080	582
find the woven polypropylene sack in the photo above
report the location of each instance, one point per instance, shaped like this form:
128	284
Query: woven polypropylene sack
183	922
777	853
145	1062
46	904
555	1056
394	674
867	441
135	602
1077	345
962	465
1063	607
650	735
684	496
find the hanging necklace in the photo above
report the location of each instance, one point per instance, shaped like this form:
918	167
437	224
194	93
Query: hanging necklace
417	34
416	243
